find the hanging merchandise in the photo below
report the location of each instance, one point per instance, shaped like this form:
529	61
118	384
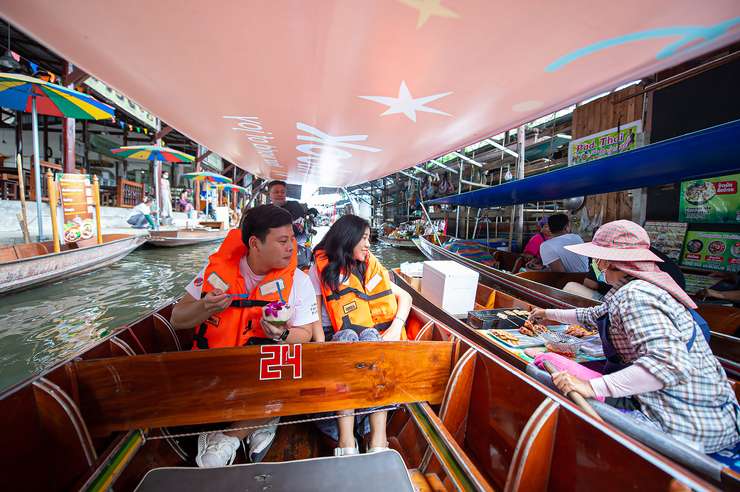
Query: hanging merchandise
508	176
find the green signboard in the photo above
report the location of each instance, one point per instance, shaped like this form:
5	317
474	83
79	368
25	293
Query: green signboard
712	251
604	144
713	200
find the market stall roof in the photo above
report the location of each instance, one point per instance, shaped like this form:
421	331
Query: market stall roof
711	152
340	92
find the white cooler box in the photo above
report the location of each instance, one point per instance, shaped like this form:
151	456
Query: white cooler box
451	286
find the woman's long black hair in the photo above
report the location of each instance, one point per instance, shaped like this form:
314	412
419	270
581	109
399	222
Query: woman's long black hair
338	245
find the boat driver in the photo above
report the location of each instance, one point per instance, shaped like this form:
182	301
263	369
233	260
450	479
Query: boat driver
258	259
277	190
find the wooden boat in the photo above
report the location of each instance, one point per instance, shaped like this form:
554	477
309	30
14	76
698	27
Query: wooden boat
468	420
185	237
397	243
726	347
27	265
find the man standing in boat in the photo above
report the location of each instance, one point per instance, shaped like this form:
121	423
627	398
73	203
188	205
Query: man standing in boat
259	260
277	190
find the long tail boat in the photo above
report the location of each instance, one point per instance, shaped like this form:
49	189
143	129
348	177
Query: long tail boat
124	411
184	237
488	298
526	287
27	265
397	243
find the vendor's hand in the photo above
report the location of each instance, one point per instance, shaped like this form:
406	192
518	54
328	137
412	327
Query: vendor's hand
393	333
567	383
537	314
272	331
216	301
716	294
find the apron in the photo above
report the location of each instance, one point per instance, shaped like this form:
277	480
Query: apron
614	361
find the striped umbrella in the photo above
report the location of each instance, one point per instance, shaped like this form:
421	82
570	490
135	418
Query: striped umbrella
232	187
20	91
37	96
152	153
208	177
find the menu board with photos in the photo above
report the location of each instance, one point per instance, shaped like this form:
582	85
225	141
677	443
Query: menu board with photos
712	251
77	207
667	237
710	200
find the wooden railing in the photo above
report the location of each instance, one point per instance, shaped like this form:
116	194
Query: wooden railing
129	193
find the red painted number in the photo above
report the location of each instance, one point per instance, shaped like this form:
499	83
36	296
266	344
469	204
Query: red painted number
278	356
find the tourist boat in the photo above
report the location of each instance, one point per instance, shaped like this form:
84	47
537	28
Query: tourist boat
122	412
26	265
528	287
185	237
397	243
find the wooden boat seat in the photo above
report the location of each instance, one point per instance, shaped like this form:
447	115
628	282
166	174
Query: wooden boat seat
7	253
29	250
83	243
360	473
721	319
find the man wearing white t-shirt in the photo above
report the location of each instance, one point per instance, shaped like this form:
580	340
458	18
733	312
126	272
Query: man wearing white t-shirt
259	260
553	253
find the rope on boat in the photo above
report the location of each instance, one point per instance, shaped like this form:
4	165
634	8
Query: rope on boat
263	426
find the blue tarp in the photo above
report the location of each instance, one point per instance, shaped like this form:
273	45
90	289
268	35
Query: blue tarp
713	151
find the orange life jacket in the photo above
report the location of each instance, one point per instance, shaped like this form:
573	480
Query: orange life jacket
359	303
234	326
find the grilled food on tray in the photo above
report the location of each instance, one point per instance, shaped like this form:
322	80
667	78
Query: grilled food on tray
505	336
578	331
532	330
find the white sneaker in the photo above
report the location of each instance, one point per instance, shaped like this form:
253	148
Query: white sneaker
259	441
216	449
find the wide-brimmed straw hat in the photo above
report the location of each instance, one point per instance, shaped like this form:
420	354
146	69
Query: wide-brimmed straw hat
621	240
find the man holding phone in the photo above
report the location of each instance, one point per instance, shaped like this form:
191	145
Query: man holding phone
253	266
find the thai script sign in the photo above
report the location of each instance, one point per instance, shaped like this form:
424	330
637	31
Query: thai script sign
77	207
603	144
712	250
714	200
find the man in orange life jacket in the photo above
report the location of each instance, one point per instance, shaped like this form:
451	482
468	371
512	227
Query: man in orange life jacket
254	260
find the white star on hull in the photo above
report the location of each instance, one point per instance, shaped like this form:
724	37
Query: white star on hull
406	104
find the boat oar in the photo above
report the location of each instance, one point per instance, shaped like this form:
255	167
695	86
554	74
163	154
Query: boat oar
575	396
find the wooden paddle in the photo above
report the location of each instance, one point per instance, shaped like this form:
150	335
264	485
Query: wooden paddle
575	397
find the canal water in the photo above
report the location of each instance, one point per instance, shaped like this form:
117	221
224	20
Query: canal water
45	325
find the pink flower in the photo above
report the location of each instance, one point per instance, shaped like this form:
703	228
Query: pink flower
273	308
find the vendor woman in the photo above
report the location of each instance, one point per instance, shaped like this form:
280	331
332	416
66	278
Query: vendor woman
648	325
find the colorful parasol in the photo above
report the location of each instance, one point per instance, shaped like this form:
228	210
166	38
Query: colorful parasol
18	92
37	96
228	187
152	153
208	177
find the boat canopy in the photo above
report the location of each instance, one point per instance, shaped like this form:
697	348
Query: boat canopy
710	152
341	92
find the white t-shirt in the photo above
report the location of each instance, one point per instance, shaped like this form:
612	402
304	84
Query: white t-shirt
302	297
553	249
142	208
313	274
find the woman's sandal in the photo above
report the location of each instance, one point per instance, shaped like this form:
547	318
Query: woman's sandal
347	451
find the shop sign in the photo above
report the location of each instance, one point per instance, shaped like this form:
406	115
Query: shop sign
714	200
122	101
77	207
712	251
603	144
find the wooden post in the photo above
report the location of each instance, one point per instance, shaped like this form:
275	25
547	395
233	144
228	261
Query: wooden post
51	187
22	192
96	201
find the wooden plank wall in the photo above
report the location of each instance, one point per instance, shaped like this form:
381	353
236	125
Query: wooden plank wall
600	115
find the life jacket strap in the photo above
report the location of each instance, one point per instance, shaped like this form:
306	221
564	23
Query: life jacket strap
200	337
334	296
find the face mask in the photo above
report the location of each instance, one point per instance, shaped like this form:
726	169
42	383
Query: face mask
600	275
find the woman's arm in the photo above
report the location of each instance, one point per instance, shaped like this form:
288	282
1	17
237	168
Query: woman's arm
318	327
403	299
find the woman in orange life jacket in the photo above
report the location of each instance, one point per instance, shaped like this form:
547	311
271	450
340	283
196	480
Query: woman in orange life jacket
358	303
